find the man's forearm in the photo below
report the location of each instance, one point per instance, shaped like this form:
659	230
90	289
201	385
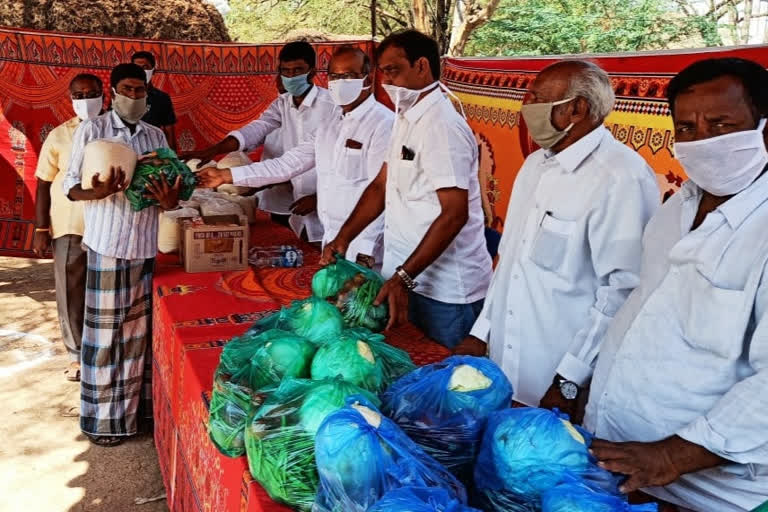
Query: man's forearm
227	145
437	239
43	204
689	457
77	193
368	209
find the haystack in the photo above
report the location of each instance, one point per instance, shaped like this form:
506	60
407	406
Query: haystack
186	20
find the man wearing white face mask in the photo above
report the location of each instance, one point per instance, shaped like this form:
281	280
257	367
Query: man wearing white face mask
678	394
296	114
61	220
435	260
570	252
116	356
347	152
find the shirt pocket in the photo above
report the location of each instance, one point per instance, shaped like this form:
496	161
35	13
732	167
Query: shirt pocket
714	319
351	165
550	245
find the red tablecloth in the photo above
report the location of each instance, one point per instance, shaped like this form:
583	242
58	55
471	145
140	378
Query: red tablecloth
194	316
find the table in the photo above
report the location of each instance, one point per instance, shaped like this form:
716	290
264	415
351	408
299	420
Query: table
194	315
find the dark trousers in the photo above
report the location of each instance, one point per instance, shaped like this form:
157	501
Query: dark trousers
447	324
70	264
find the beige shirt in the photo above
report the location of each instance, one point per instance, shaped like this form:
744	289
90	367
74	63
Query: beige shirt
66	215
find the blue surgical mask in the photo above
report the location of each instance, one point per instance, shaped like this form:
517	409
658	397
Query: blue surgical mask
296	85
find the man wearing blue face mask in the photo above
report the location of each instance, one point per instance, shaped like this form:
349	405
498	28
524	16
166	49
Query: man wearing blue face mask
296	114
678	393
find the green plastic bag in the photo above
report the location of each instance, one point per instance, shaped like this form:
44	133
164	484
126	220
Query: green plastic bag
231	404
352	288
164	163
235	359
315	319
279	354
362	358
280	436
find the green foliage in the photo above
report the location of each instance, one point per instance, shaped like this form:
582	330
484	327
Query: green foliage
260	21
552	27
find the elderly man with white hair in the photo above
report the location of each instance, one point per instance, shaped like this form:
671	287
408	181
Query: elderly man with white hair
570	253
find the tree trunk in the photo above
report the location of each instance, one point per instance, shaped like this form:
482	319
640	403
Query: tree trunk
468	16
421	17
747	24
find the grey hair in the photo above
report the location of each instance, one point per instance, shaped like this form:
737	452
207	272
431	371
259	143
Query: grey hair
590	82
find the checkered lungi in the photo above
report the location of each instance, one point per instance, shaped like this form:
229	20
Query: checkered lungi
116	361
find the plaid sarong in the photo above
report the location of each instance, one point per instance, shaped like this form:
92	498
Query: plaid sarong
116	361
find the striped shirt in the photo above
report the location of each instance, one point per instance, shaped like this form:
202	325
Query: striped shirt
112	228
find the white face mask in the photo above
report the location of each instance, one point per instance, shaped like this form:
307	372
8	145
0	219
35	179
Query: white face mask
405	98
345	91
149	73
87	108
727	164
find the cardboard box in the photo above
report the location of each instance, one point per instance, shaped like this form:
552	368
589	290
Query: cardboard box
215	243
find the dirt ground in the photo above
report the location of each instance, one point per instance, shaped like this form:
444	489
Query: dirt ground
46	464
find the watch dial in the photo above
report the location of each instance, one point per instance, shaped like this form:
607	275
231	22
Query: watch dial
569	390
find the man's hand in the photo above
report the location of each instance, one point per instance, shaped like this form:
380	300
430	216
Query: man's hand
41	243
575	408
471	346
331	249
305	205
167	196
113	184
211	177
646	464
395	294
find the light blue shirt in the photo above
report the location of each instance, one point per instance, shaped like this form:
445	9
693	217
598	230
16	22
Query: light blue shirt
569	257
112	227
688	352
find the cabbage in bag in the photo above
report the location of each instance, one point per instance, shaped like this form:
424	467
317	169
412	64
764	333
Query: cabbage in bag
312	318
443	407
352	288
526	451
420	499
280	436
163	163
362	358
361	455
279	354
578	497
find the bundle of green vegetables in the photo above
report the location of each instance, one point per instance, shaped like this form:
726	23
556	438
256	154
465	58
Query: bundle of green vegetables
352	288
363	358
280	436
161	162
231	404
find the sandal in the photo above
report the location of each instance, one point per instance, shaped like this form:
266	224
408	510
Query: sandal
105	441
73	372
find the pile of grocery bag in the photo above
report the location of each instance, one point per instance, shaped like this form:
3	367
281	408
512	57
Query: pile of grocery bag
334	419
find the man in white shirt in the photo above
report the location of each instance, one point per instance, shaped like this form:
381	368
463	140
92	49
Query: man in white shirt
435	259
297	114
59	220
347	152
570	252
679	391
116	355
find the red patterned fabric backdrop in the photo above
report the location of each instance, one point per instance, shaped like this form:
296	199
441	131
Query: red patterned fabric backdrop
215	88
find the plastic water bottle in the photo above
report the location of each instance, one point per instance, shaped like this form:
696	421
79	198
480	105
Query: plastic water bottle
286	256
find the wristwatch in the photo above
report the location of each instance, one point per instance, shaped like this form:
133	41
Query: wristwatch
569	389
407	280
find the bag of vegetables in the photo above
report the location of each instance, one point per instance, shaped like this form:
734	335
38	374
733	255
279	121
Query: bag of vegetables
443	407
361	455
352	288
280	436
279	354
161	162
231	404
420	499
526	451
312	318
362	358
577	496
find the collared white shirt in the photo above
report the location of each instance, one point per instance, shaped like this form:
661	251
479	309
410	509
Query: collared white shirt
688	352
278	198
343	170
294	124
112	227
445	155
67	217
569	257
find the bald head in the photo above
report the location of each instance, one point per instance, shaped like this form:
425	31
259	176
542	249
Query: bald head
579	79
351	55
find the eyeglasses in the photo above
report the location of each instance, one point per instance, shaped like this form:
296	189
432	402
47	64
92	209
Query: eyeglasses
345	76
85	95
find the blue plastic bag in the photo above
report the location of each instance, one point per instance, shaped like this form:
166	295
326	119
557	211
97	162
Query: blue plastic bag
361	455
578	497
443	407
526	451
420	499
